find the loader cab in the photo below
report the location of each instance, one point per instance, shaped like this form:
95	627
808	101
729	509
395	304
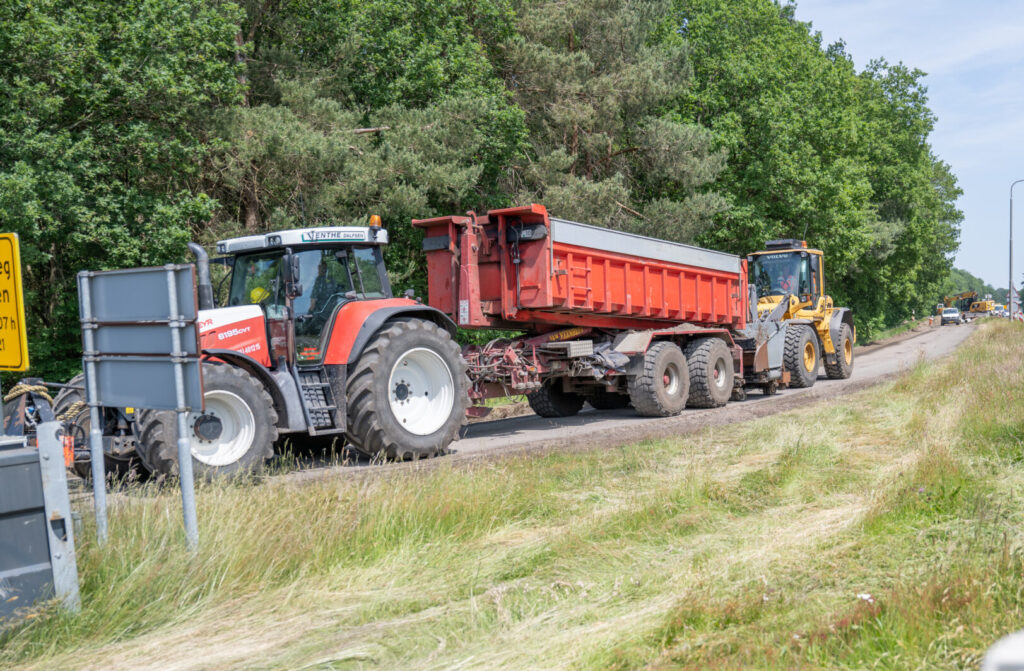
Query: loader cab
301	278
787	267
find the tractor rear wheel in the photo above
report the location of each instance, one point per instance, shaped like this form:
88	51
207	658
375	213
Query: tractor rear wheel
247	428
800	355
408	392
711	372
608	400
69	408
843	367
663	386
551	401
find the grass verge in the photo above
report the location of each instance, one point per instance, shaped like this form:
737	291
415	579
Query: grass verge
881	530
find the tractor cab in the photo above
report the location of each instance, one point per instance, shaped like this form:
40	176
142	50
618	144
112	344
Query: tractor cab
787	267
300	278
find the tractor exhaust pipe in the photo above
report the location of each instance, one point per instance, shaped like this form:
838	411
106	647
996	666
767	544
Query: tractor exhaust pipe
205	285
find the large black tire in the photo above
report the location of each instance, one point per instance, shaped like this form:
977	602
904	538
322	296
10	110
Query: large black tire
663	386
711	372
608	400
801	355
843	367
240	401
374	429
551	401
78	423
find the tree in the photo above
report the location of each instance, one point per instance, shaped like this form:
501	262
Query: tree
597	80
101	111
353	113
820	152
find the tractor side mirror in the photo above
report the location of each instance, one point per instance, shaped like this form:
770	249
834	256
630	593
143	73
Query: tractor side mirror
292	271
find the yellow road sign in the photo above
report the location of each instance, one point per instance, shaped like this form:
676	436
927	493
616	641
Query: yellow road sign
13	340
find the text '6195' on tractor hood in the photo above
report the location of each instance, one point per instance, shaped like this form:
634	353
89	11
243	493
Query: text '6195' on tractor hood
240	328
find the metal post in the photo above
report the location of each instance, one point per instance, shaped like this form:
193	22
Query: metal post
185	476
60	526
1009	291
99	483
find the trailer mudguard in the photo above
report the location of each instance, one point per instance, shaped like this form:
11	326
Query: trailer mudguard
358	321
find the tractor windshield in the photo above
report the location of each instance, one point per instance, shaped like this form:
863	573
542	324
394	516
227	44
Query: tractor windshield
329	277
782	273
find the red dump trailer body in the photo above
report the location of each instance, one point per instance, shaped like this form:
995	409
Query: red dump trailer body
519	268
610	318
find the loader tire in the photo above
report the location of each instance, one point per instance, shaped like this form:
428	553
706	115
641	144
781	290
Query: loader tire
407	394
801	355
663	386
247	436
711	372
608	400
843	367
551	401
69	408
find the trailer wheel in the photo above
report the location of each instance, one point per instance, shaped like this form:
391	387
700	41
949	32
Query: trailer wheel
551	401
843	367
247	428
663	386
711	372
69	408
408	392
608	400
800	355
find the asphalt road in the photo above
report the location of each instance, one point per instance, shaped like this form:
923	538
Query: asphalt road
871	365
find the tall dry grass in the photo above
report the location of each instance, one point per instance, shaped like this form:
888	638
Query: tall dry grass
880	530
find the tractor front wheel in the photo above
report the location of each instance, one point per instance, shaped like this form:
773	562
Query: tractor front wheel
408	392
241	409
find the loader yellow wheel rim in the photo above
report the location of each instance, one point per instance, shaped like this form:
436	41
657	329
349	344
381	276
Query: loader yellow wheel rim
810	356
848	351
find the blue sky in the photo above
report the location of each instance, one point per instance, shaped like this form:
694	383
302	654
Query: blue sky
973	54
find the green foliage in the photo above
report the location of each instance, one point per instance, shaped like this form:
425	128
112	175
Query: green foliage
820	152
598	80
300	154
127	128
960	281
99	142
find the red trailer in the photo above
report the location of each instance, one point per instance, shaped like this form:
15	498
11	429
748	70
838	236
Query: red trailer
609	317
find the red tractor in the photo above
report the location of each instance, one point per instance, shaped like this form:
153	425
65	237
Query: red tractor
311	341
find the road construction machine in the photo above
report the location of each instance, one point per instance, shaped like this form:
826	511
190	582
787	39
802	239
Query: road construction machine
962	301
789	279
310	341
983	307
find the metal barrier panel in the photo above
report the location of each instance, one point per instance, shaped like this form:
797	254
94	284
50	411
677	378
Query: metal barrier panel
37	545
25	571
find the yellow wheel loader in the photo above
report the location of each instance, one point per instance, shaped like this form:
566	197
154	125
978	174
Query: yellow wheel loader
789	280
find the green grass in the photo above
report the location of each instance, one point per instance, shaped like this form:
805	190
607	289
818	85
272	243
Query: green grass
892	331
883	530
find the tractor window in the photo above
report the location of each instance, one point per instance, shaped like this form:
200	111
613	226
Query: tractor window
330	277
782	273
256	280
